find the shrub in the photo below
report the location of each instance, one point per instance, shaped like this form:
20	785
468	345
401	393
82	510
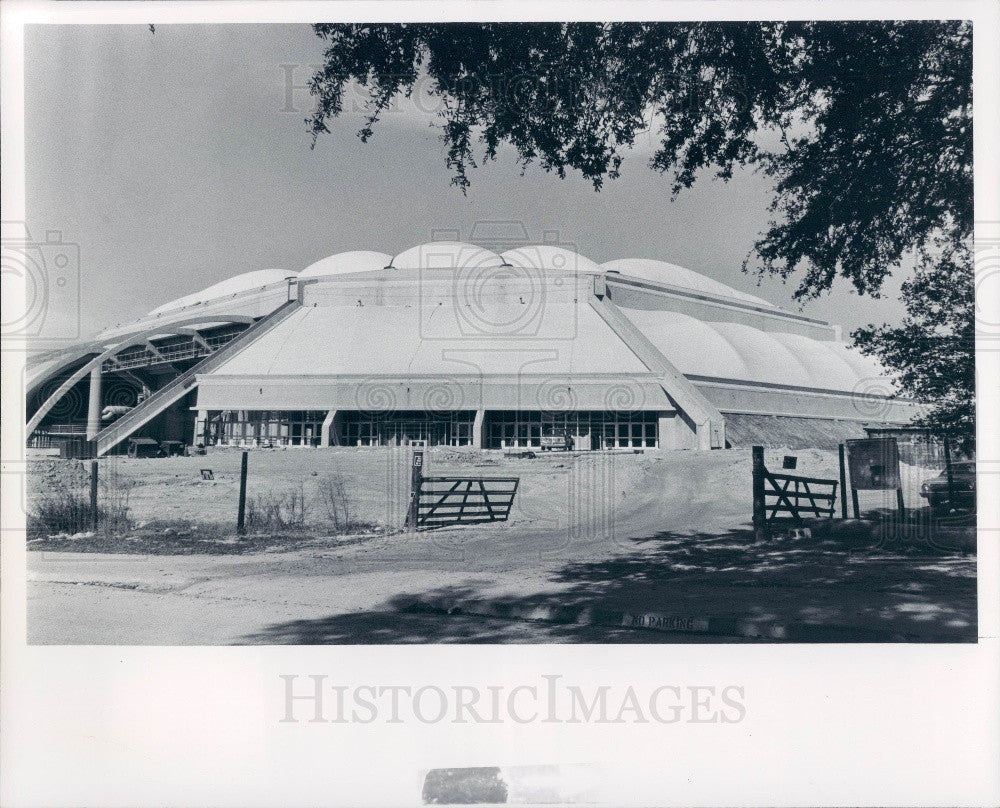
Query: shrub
334	501
335	504
61	511
113	504
66	508
275	512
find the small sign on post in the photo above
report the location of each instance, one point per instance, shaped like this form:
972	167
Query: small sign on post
874	466
416	474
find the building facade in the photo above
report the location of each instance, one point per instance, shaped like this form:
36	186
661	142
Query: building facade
452	344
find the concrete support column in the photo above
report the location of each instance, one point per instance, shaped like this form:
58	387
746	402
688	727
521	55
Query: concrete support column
477	429
201	427
712	434
94	404
687	434
324	439
665	430
718	434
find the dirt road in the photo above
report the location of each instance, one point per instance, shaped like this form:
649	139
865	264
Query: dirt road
659	532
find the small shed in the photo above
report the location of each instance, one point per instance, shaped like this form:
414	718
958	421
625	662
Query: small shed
172	447
143	447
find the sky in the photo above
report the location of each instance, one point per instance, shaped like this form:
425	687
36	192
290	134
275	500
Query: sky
178	158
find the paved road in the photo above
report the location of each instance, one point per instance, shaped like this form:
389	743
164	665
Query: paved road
310	597
103	615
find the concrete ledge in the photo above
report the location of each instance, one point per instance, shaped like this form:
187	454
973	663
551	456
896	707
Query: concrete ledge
937	536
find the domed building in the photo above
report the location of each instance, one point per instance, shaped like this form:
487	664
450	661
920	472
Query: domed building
453	344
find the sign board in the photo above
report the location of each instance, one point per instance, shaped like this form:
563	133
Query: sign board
874	464
664	622
790	462
417	469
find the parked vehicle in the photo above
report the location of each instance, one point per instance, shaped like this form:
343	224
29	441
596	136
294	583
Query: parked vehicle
935	490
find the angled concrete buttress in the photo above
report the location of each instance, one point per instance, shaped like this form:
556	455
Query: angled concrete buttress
710	425
106	352
141	415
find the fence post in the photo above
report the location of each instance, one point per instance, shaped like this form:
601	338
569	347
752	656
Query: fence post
93	494
241	528
760	531
843	482
416	475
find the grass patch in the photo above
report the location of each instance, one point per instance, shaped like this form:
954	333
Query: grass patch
190	538
276	521
66	508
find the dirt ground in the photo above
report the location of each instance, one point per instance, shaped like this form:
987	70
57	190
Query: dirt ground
654	532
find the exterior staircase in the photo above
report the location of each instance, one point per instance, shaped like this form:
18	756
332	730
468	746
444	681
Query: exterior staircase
139	416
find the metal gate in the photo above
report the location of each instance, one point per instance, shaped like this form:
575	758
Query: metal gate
441	501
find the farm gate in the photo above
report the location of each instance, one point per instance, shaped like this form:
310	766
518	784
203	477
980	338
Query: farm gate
441	501
787	496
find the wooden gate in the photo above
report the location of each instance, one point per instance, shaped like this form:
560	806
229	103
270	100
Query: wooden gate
440	501
791	496
810	496
464	500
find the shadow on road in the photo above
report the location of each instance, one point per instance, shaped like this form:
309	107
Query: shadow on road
858	594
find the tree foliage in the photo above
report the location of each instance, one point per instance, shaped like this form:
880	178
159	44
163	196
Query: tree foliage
864	127
932	351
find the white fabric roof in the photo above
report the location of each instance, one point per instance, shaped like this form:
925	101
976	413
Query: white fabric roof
406	332
550	258
458	255
741	352
662	272
238	284
508	327
446	255
435	339
347	262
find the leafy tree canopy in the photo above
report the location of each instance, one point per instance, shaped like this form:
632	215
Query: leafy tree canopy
865	128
